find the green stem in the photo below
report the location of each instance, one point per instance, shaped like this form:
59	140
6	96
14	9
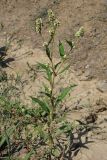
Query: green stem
52	98
52	83
60	66
8	142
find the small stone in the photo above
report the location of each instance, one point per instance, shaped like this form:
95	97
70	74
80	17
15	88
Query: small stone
87	76
23	152
102	86
79	73
83	139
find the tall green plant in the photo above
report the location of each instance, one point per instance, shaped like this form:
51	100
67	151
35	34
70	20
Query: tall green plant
51	124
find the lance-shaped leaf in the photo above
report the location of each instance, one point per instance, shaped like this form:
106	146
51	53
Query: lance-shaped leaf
49	74
48	52
3	137
64	69
64	93
47	69
66	127
42	104
57	64
46	88
42	66
47	94
70	43
61	49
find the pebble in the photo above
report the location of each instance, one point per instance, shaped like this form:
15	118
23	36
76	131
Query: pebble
102	86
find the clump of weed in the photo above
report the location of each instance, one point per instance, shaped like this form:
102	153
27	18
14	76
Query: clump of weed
42	129
54	132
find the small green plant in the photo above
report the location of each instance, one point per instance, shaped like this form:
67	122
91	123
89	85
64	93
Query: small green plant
14	117
53	130
14	132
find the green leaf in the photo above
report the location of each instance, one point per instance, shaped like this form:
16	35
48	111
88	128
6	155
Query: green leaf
64	69
40	131
56	152
64	93
70	43
61	49
42	66
48	52
49	74
3	137
57	65
66	127
46	88
47	69
47	94
42	104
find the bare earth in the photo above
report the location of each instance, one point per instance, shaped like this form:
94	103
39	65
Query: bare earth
88	60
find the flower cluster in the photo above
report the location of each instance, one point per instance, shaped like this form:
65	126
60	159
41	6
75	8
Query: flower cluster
39	25
53	22
56	23
80	33
51	16
52	31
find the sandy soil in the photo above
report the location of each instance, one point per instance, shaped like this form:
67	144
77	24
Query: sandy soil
88	60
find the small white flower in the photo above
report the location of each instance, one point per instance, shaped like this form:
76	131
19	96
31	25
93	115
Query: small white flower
65	56
45	44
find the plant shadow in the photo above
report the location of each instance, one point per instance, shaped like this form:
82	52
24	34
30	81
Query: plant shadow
4	62
75	144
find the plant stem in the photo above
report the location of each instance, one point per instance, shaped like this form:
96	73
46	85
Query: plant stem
52	83
8	142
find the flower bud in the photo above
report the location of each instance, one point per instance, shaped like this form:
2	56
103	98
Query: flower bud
52	31
39	25
56	23
51	16
64	56
45	44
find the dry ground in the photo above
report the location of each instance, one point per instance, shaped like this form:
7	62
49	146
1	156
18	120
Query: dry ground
88	60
